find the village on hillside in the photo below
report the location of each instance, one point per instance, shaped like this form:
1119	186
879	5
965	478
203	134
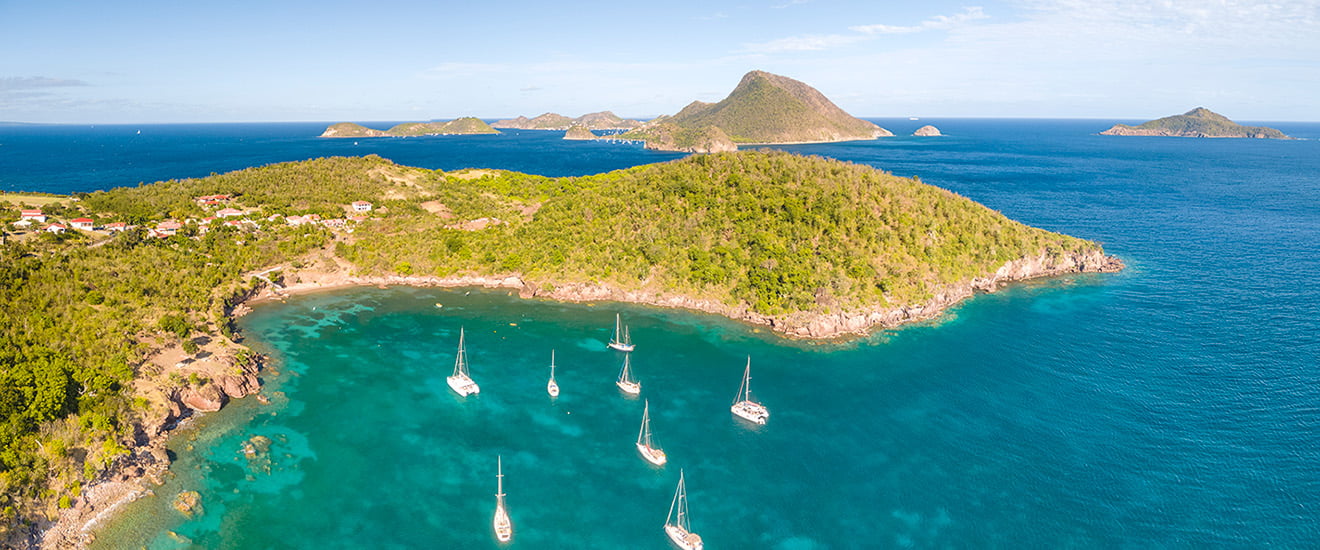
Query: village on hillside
226	210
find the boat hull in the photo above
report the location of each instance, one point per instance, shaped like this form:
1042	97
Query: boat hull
463	385
654	456
751	412
682	538
552	389
630	388
503	527
621	347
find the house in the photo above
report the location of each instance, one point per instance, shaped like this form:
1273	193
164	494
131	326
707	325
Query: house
361	206
212	200
85	224
116	226
229	212
357	219
168	228
23	224
55	228
335	223
34	215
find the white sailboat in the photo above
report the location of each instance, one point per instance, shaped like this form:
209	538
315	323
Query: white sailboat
676	525
552	387
743	405
626	381
621	341
649	451
461	382
503	527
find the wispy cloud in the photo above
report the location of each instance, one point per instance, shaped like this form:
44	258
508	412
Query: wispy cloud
862	33
454	69
712	16
936	23
788	3
9	83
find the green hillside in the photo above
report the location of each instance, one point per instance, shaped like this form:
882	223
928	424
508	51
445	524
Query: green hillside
1198	122
465	125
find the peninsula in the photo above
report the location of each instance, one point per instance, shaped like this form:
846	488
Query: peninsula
604	120
764	108
809	247
461	126
1198	122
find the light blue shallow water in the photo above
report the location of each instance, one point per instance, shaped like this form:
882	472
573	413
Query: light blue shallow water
1174	405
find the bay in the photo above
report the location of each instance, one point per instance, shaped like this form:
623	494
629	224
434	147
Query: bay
1173	405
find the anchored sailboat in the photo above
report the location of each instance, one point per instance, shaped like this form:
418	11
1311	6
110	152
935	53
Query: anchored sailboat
552	387
503	527
461	382
645	446
621	341
678	529
626	381
743	405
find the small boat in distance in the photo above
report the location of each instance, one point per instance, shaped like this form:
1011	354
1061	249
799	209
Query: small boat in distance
678	529
743	405
461	382
503	527
552	387
621	341
626	381
644	444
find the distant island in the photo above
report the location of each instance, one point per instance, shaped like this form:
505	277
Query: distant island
927	130
462	126
1198	122
579	132
764	108
604	120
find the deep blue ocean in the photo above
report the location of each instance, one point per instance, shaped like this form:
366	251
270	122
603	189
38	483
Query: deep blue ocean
1173	405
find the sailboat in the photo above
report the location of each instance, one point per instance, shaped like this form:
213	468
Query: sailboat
678	529
743	406
461	382
644	444
621	341
503	527
626	381
552	387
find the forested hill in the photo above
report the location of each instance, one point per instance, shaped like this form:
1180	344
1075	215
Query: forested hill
775	233
1198	122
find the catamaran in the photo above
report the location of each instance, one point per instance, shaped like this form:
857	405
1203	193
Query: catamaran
503	527
552	387
626	381
743	406
621	341
461	382
677	527
645	446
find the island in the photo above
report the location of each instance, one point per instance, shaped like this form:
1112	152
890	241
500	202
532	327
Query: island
1198	122
603	120
112	337
461	126
579	132
764	108
926	131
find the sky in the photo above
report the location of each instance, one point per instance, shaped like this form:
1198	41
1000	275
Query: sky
150	61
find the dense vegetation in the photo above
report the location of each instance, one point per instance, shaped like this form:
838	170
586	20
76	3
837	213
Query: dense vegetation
1198	122
768	108
777	232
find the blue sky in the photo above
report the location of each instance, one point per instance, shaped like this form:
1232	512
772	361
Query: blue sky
242	60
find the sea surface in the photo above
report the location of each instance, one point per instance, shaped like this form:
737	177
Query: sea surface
1173	405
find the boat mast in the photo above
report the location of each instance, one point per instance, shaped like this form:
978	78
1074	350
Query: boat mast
745	389
499	493
460	363
644	436
552	365
617	323
626	375
680	502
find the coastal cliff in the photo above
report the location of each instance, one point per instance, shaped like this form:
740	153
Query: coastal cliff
1199	122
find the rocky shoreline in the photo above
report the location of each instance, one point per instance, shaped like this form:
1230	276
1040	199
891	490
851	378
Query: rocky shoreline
148	460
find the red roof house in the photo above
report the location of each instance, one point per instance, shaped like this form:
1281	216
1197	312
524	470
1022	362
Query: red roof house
84	224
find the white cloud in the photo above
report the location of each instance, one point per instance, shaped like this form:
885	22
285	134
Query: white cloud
458	69
8	83
804	43
938	22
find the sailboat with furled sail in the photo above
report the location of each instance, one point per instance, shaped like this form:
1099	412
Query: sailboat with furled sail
743	405
461	382
626	382
677	524
621	341
649	451
503	527
552	387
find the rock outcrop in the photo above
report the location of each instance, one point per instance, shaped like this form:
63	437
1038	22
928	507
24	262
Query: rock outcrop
927	130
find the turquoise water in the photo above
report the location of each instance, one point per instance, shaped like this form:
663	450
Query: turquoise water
1174	405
